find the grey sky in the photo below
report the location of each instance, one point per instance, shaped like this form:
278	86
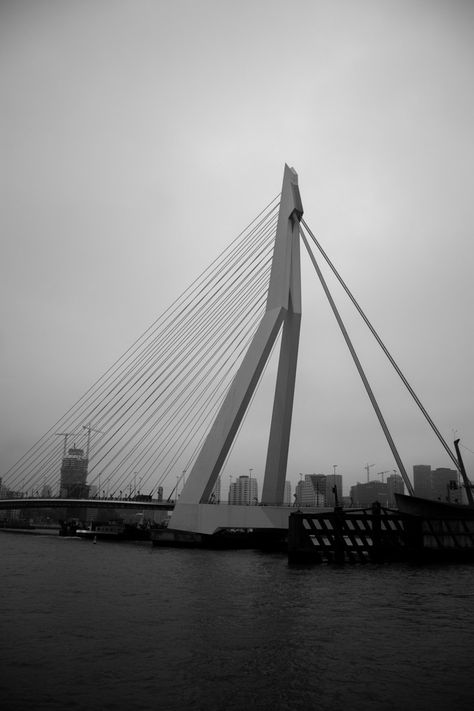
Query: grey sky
140	137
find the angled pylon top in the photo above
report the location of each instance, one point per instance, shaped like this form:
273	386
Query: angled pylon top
291	176
291	211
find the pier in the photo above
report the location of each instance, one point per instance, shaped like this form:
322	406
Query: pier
378	535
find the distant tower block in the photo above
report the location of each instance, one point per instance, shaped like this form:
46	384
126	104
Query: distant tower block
283	309
74	475
244	491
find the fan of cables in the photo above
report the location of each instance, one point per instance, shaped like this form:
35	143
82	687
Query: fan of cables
147	416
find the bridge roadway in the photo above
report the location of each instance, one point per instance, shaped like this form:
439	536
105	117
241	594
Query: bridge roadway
55	503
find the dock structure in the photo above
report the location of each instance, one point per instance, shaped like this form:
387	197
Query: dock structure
378	535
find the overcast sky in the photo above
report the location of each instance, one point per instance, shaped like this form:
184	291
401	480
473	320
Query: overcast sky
139	137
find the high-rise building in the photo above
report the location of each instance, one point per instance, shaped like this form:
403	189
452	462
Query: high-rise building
366	494
437	484
395	485
422	480
443	481
333	480
73	475
318	490
299	493
244	491
318	482
311	491
287	494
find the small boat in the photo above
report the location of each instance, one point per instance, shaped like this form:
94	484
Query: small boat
114	532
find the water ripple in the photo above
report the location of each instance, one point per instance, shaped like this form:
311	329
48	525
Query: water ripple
128	627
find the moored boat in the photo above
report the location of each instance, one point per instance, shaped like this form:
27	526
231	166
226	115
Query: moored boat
114	532
429	508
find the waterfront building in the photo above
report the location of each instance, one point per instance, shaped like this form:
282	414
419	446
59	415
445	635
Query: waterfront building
6	493
318	490
438	484
318	482
395	485
243	491
311	491
298	493
422	480
444	483
333	480
287	494
364	495
73	475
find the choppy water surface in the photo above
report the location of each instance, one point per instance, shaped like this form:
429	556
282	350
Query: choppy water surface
127	626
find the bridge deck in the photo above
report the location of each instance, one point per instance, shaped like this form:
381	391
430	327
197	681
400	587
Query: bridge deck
55	503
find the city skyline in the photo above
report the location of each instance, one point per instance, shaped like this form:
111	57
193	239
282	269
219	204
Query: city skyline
133	157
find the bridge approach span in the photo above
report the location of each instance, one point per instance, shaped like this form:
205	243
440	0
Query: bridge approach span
54	503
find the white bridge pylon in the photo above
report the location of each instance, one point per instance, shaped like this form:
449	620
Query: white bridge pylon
193	513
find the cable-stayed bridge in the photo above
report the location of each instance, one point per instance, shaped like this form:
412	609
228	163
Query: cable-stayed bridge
141	424
171	407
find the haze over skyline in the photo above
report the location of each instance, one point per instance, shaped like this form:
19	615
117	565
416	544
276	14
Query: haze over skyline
139	138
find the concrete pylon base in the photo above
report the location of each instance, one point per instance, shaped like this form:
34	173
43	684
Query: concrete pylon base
210	519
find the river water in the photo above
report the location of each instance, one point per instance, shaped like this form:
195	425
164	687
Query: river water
127	626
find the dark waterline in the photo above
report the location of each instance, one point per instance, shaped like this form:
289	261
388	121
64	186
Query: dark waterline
127	626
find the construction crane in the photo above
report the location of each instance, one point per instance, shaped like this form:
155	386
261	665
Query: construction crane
65	435
367	468
382	474
89	429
